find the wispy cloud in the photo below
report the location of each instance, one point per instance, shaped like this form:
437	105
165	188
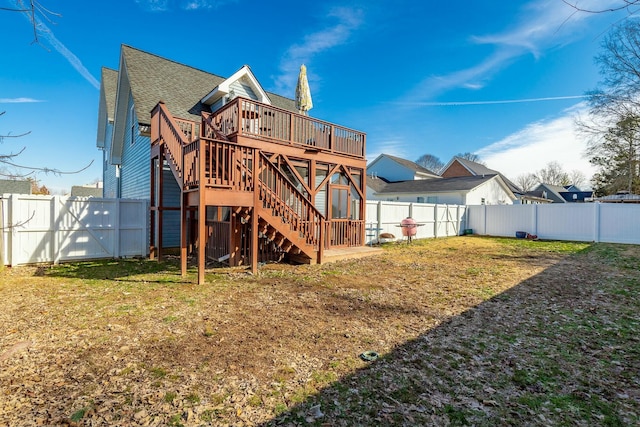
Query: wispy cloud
344	21
539	143
47	34
542	24
502	101
154	5
166	5
18	100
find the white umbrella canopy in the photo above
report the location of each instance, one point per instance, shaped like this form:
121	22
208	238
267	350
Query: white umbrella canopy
303	93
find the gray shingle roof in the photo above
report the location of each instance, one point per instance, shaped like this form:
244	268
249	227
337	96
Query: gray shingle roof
11	186
81	191
480	169
377	183
153	78
461	183
411	165
110	84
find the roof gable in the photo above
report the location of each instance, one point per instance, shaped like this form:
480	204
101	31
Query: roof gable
107	103
150	78
243	75
408	164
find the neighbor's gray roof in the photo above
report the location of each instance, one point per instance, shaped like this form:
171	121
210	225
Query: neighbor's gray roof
376	183
153	78
12	186
411	165
460	183
110	85
81	191
480	169
476	168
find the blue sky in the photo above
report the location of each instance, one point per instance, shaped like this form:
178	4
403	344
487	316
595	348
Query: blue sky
500	78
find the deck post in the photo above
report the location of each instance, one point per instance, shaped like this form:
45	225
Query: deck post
153	211
254	216
202	212
160	215
183	234
321	241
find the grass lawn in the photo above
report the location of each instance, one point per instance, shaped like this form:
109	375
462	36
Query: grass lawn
469	331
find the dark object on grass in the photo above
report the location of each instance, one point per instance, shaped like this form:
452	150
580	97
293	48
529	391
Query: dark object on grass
369	356
521	234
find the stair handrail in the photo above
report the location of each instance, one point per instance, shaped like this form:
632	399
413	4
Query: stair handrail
310	224
171	134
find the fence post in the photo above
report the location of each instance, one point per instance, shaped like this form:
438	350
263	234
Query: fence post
458	220
596	222
55	213
116	228
484	230
2	260
13	215
379	216
435	221
534	217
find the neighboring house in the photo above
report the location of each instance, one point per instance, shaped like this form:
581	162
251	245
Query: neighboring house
465	190
227	167
86	191
532	198
396	169
561	194
458	166
12	186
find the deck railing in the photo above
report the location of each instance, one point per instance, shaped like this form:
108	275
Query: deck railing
226	165
254	119
172	132
344	232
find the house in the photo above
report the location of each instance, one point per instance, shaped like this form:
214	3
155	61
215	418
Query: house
394	179
14	186
561	194
463	190
228	168
396	169
459	166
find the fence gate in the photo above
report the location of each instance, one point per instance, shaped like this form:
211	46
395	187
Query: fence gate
53	228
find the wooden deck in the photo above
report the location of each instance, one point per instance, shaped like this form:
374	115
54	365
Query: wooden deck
338	254
292	186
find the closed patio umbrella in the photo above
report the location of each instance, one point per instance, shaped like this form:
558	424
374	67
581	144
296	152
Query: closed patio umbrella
303	93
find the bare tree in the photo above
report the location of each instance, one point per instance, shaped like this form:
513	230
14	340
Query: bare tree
431	162
34	10
577	178
20	170
553	174
613	124
470	156
526	182
623	4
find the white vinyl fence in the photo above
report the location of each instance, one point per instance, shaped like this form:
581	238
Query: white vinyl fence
434	220
52	228
587	222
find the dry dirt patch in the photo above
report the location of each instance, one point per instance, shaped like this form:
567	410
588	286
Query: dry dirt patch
131	342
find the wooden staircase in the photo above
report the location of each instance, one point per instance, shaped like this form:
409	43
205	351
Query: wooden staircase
212	163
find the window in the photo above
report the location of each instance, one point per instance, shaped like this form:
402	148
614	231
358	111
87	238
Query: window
483	201
420	200
132	117
432	199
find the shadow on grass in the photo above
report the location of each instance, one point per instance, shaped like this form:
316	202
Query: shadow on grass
111	269
560	348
